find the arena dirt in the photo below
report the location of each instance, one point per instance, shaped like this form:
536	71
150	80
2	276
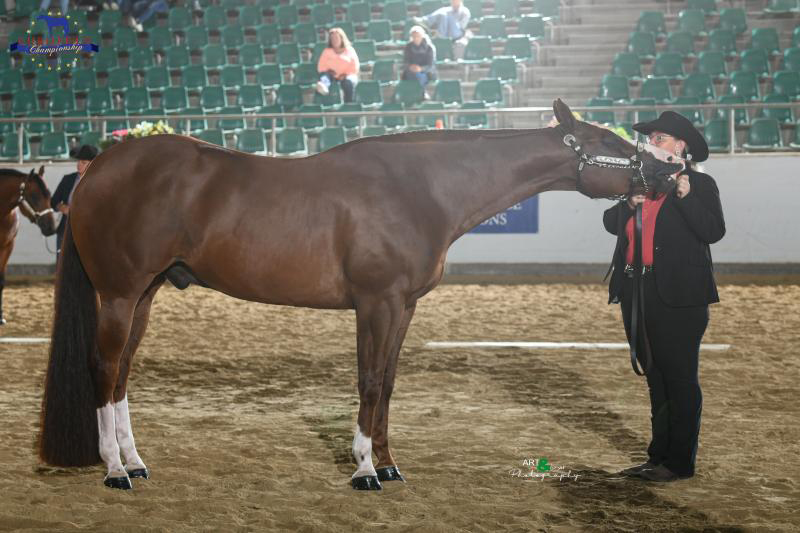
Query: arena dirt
245	413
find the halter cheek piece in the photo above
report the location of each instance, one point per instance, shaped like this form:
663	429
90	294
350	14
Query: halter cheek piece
633	163
26	208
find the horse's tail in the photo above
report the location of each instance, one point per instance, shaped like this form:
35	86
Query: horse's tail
68	434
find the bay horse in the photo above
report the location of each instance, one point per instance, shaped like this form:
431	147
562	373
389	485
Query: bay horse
29	193
363	226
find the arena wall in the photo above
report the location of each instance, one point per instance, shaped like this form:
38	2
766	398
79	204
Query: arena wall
759	195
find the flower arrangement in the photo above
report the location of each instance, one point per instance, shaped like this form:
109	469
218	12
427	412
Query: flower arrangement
143	129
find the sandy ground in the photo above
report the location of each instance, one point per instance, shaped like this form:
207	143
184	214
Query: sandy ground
245	412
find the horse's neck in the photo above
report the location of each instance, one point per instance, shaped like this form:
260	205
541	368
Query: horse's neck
9	194
496	171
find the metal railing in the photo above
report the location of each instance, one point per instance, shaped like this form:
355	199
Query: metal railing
498	117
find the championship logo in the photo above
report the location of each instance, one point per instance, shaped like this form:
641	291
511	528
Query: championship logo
54	41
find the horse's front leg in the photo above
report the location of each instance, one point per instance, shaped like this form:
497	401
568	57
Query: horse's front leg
386	467
378	319
2	286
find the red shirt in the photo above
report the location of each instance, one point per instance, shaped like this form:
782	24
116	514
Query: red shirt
649	214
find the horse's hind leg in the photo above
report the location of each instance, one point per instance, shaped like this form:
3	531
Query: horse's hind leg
134	465
386	467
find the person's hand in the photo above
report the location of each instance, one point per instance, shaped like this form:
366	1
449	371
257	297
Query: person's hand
635	200
63	208
414	68
683	187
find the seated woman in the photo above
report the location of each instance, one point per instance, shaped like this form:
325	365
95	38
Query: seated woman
338	64
419	57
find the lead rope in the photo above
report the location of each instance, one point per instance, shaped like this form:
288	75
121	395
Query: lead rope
637	307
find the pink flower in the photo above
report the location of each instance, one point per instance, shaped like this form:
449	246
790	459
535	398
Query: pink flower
120	133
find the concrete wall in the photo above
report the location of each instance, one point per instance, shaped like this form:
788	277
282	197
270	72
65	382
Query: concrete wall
760	197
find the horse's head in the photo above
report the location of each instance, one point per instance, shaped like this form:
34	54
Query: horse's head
606	164
35	202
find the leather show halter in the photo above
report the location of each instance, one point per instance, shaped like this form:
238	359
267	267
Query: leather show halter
25	207
633	163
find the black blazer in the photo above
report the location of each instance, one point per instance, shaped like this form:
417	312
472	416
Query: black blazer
681	256
62	196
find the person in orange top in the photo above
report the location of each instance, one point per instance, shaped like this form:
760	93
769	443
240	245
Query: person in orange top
338	63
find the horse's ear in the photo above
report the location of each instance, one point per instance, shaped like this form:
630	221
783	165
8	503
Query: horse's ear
41	171
564	115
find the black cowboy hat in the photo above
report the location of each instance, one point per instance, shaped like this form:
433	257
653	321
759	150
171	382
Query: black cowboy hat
679	127
85	152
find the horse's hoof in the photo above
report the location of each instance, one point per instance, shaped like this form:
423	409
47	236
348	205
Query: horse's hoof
139	472
2	321
367	483
389	473
123	483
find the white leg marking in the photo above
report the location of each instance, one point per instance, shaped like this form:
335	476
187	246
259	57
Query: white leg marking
109	449
122	420
362	451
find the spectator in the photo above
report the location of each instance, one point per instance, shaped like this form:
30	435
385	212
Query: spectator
45	5
419	57
63	196
139	11
450	23
338	63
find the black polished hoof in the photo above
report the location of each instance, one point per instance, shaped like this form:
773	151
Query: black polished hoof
389	473
367	483
139	472
123	483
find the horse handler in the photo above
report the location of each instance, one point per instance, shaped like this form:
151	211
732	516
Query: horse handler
63	195
677	287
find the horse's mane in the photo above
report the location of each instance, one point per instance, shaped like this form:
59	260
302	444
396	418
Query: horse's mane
14	173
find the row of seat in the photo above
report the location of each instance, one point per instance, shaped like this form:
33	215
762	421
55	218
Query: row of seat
643	44
693	20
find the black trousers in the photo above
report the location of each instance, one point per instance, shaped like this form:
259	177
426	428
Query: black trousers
347	86
676	401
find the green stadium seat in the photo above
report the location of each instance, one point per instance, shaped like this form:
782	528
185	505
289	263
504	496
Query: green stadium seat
120	79
781	114
124	38
699	85
117	120
266	123
764	135
231	124
365	49
745	84
712	63
30	66
232	36
695	116
781	7
195	124
668	64
614	87
734	19
5	60
177	56
708	6
46	81
645	115
286	16
473	120
359	13
755	60
196	37
310	123
643	44
23	102
140	57
651	22
268	35
269	75
791	59
444	50
323	14
109	21
349	122
519	47
306	75
251	55
383	72
76	128
494	27
765	39
250	16
739	115
91	138
489	91
506	8
215	17
692	21
504	68
54	145
627	64
213	136
395	11
157	78
796	36
408	93
717	135
10	147
160	37
330	100
531	25
39	128
137	99
448	92
658	89
680	42
289	96
478	50
178	19
547	8
232	76
392	122
287	54
368	93
786	82
795	142
722	40
330	137
212	98
11	81
305	33
214	56
319	48
291	141
475	9
373	131
105	60
174	99
251	141
380	31
429	121
602	117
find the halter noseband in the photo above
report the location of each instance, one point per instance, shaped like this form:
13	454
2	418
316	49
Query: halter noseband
633	163
25	207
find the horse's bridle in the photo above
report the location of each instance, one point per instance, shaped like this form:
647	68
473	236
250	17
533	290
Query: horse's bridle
26	208
633	163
